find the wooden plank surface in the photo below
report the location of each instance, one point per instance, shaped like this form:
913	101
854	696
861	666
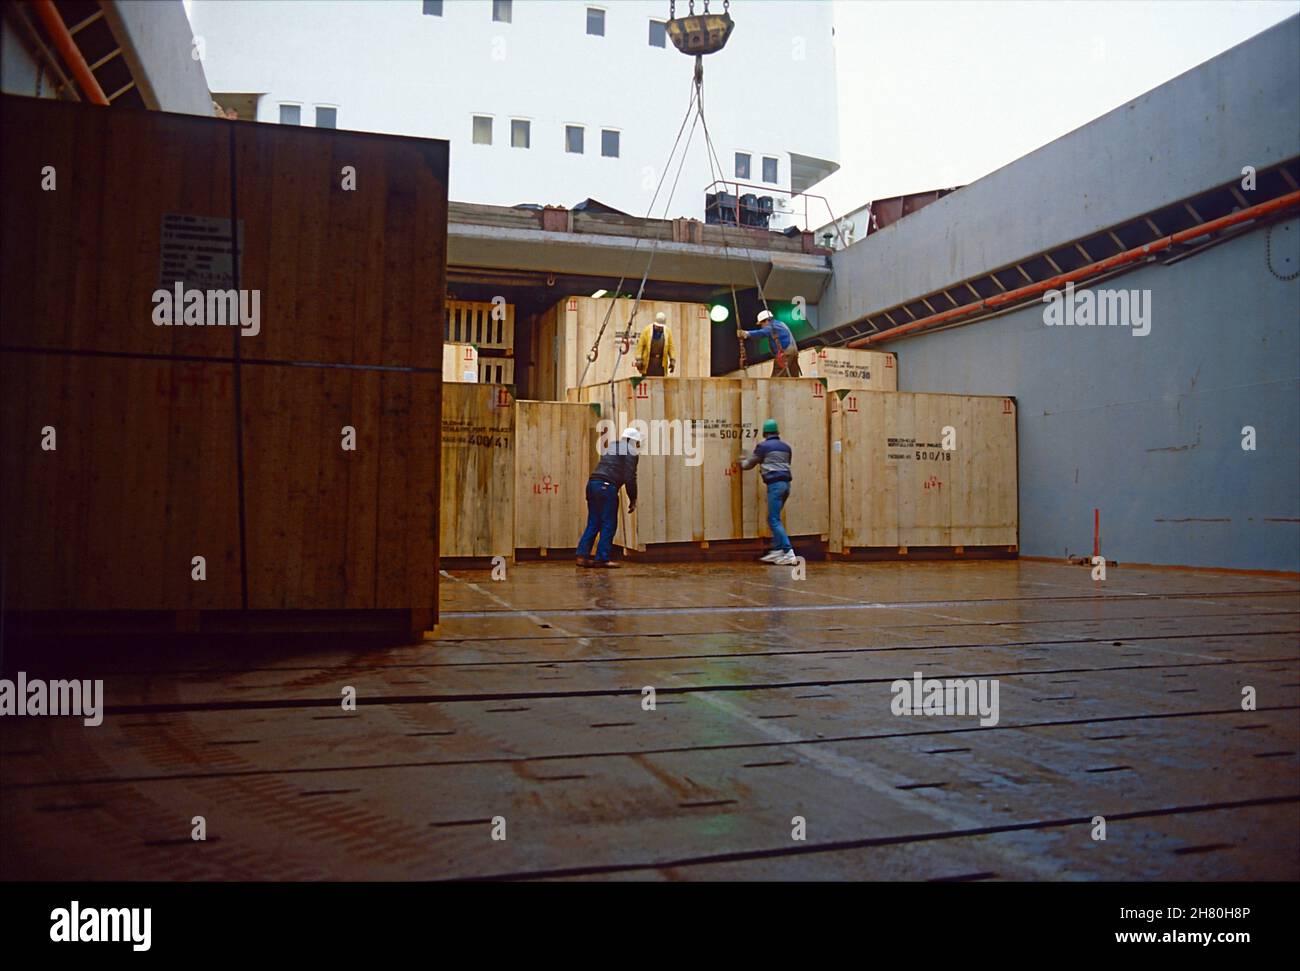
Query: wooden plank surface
705	496
842	367
580	319
82	261
895	484
457	361
555	451
347	275
478	471
142	479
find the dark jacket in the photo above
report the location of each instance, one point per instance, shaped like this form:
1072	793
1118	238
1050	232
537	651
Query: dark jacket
618	467
775	456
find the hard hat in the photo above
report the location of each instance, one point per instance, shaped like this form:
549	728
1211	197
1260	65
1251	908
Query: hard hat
764	315
769	427
631	434
660	317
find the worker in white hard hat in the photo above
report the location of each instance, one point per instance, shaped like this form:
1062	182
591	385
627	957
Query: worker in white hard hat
616	469
656	353
785	352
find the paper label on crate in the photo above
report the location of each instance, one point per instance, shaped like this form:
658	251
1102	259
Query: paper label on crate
196	252
720	429
909	449
471	433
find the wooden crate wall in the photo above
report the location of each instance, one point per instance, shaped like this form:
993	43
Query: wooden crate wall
842	368
715	500
481	323
457	361
145	475
478	471
567	331
554	456
894	485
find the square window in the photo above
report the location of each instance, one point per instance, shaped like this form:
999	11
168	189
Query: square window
327	117
609	143
482	130
520	133
658	33
290	114
501	11
433	8
742	165
771	173
595	21
573	139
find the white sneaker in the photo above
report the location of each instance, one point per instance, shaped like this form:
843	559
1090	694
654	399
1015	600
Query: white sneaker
787	559
771	556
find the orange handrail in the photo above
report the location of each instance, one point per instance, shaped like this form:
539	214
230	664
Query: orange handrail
1092	269
67	47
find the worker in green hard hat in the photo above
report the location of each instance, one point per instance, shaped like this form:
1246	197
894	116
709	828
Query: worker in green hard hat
774	457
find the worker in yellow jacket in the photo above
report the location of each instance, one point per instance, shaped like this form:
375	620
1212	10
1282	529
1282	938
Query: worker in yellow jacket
656	354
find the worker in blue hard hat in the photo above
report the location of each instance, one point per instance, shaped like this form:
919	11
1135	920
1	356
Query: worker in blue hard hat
774	456
785	352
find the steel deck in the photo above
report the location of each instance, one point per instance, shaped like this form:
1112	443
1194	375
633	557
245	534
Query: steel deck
1119	699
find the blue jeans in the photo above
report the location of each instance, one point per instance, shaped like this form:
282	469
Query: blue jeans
602	517
777	494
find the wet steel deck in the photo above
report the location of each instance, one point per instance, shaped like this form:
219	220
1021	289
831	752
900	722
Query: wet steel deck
1120	699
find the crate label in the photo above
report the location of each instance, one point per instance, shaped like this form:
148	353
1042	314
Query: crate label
467	432
909	449
196	252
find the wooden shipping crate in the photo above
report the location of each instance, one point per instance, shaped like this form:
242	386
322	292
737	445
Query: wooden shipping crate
895	484
496	370
134	477
153	439
481	323
691	486
478	471
842	368
567	331
459	363
555	451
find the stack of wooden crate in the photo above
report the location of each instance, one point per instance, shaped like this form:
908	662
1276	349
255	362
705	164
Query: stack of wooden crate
692	489
487	329
188	477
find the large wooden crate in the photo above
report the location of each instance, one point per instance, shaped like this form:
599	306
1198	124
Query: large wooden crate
555	452
478	471
842	367
155	424
706	497
567	331
481	323
894	485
